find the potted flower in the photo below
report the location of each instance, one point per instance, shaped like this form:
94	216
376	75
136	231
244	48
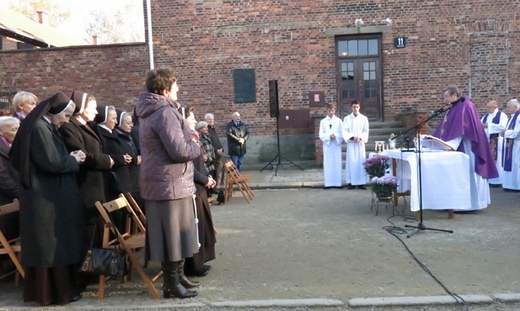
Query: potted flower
384	186
377	165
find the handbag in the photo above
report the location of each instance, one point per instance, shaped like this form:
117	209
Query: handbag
104	261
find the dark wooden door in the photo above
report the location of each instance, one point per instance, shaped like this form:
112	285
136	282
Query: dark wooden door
359	76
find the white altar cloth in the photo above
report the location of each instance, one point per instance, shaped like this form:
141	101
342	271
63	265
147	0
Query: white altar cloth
444	174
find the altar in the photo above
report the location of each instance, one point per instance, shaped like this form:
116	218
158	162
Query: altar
444	175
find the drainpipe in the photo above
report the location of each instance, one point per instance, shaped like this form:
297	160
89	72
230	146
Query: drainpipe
150	40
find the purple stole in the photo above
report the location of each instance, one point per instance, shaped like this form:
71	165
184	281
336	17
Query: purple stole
508	143
495	120
493	138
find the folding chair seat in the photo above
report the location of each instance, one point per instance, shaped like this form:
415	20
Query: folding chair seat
11	247
133	238
233	177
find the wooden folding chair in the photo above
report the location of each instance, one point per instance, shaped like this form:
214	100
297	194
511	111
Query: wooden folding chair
12	247
133	238
233	177
136	210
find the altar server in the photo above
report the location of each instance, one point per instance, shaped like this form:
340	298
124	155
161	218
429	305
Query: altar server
494	122
461	129
511	147
330	135
355	134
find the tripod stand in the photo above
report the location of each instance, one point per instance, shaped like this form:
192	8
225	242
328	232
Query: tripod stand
278	156
420	226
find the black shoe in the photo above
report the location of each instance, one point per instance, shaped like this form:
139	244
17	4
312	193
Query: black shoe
362	187
76	298
351	187
204	271
200	273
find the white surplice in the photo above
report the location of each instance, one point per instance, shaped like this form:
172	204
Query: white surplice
332	166
511	180
494	128
355	126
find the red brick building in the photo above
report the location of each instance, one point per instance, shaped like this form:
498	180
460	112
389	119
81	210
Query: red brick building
397	58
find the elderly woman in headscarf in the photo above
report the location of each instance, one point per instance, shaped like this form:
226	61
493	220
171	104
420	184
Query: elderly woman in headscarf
195	266
52	217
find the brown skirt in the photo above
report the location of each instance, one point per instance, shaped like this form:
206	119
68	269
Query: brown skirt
51	286
171	233
206	236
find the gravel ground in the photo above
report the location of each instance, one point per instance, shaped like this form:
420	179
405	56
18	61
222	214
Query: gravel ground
309	243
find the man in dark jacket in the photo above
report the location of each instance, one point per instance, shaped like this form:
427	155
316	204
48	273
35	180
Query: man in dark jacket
237	135
215	141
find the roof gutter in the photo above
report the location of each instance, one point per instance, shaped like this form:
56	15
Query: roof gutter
150	37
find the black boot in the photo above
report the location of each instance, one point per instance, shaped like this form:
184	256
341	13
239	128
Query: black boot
184	280
172	288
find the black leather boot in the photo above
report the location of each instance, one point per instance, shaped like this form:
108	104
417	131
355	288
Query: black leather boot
184	280
172	288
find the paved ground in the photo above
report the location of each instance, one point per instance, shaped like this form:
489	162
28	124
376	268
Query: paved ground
305	248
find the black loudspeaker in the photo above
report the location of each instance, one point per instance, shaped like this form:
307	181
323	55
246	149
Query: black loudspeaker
273	98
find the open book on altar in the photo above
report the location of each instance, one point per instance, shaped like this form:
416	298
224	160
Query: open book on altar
431	143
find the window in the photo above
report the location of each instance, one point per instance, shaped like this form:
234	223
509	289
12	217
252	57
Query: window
358	47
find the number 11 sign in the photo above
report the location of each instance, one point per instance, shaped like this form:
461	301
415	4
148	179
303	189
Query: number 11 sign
400	42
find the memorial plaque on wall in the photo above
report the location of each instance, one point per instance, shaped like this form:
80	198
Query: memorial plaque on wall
245	85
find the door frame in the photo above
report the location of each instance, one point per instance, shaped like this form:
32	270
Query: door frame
344	105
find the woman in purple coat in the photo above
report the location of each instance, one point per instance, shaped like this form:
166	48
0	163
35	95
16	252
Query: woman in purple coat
166	181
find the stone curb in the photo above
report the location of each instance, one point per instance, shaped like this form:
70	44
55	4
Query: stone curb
406	301
415	301
279	303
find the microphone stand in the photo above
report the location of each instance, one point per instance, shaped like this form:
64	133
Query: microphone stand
420	226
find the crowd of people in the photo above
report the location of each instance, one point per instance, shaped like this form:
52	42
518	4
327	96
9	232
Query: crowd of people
60	155
492	144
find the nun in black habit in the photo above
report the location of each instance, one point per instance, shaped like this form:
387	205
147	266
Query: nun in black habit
51	210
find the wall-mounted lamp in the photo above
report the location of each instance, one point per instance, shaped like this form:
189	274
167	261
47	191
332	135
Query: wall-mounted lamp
358	22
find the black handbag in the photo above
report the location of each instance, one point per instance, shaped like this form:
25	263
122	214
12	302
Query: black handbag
104	261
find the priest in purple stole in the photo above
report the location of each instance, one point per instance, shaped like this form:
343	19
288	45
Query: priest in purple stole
494	122
511	148
461	128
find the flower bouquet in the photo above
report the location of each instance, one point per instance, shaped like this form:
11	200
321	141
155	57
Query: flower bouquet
384	186
377	165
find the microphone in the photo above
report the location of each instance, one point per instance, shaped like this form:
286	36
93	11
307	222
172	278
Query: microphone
459	100
440	110
450	105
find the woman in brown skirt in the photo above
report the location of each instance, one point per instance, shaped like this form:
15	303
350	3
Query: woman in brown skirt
195	266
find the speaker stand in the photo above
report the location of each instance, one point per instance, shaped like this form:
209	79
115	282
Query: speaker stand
278	158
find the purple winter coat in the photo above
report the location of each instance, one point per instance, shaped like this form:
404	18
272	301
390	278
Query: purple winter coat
167	150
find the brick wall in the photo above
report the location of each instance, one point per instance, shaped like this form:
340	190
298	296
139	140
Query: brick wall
475	45
468	44
112	73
